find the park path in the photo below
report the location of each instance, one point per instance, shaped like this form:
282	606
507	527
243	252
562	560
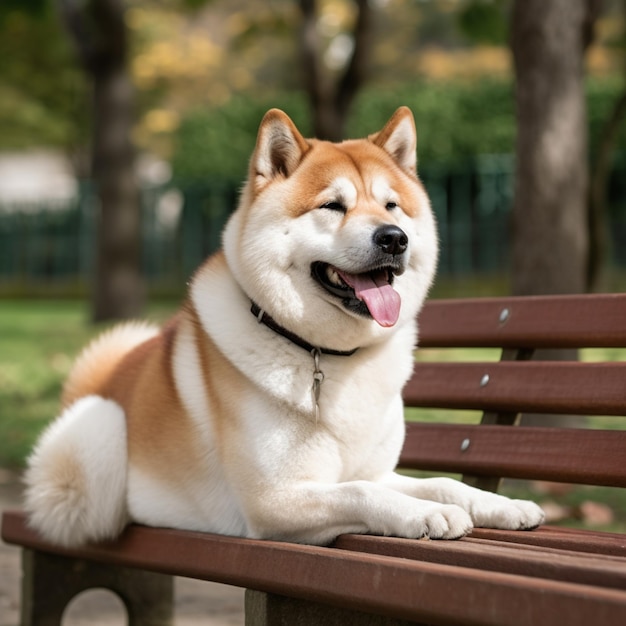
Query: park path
197	602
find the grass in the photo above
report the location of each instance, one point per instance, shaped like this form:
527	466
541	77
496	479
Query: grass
40	338
38	342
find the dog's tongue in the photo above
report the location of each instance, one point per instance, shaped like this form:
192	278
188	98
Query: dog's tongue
381	299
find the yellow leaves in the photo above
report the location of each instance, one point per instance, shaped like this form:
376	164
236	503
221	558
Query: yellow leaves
152	24
168	49
336	16
237	24
601	61
135	17
155	129
189	58
161	121
437	63
241	78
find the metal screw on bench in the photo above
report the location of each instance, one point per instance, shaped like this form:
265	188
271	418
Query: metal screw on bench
465	444
504	315
484	381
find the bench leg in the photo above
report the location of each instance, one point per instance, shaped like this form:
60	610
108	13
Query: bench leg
50	582
266	609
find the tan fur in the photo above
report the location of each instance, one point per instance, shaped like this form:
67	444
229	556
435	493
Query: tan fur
131	365
141	382
98	361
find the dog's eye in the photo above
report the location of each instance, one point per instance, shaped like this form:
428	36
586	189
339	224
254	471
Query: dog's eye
390	205
334	206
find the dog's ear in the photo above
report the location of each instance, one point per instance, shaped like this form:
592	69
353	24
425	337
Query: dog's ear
399	139
279	148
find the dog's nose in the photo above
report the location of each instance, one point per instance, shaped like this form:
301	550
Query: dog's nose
391	239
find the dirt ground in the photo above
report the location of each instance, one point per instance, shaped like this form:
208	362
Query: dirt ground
197	602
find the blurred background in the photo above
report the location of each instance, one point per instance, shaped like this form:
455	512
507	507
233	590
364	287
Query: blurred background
126	128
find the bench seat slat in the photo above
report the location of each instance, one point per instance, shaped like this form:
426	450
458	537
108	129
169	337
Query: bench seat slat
527	386
521	452
533	321
489	555
580	540
397	587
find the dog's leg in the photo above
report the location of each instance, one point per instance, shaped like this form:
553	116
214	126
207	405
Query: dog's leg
316	513
487	510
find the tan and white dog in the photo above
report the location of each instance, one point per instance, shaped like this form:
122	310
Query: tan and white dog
271	406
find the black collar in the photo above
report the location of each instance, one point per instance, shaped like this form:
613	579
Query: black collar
263	318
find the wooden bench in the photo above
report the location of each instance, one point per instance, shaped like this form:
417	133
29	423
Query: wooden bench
547	576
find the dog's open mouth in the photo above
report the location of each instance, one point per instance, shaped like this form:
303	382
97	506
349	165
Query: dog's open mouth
369	293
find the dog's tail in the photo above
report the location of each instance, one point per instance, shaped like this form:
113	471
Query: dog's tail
76	476
96	363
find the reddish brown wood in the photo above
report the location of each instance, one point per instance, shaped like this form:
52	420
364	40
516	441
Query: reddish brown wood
492	555
534	321
531	387
577	540
591	457
398	587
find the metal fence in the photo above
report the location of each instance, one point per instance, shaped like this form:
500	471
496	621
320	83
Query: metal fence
53	245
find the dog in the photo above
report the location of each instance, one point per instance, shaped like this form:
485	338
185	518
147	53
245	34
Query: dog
270	406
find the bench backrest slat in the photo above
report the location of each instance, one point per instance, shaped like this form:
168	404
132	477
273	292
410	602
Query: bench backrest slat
527	386
538	322
529	453
517	384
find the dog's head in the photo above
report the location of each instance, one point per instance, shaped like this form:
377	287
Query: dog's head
336	241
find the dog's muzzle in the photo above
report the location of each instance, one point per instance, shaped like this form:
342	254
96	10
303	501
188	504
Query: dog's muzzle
369	291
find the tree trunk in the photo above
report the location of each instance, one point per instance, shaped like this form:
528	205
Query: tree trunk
599	242
118	292
550	238
331	96
99	33
550	225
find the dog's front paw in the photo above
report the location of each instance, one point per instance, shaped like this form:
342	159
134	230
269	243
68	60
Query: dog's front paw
506	514
446	521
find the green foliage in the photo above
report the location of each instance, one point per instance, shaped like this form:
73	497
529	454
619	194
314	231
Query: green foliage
456	122
484	22
42	95
32	7
194	5
601	97
217	143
